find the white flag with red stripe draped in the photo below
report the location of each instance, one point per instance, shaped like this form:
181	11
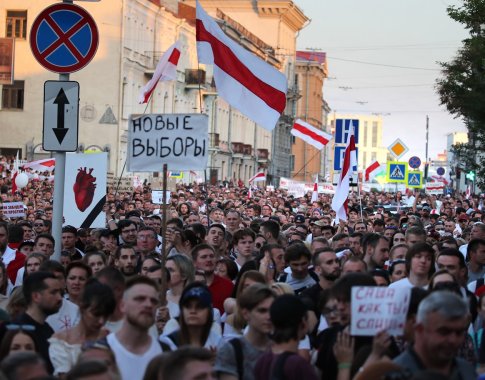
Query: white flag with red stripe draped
310	134
340	199
260	176
166	70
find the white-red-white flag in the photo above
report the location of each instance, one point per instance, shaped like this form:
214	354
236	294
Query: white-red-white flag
48	164
260	176
310	134
254	87
340	199
15	173
315	190
166	70
372	170
439	178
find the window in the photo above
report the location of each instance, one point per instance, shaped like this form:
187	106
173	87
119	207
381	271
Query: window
13	95
292	162
16	24
374	134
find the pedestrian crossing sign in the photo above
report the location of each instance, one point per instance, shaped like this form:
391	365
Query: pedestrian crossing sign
415	179
397	172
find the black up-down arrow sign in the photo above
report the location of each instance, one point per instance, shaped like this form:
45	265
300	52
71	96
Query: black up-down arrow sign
61	101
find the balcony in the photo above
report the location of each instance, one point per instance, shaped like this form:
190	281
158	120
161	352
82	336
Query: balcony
194	78
247	149
262	155
237	148
214	140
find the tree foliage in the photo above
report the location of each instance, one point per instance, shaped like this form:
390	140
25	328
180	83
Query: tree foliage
462	86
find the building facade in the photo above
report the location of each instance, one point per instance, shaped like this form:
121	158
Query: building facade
133	36
311	70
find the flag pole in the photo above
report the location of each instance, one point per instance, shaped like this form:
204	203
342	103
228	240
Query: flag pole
306	163
360	197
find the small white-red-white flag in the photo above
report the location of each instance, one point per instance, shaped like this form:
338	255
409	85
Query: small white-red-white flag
468	193
315	190
260	176
372	170
166	70
340	199
47	164
310	134
16	172
439	178
246	82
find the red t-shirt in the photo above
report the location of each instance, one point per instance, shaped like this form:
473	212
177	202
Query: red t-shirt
221	288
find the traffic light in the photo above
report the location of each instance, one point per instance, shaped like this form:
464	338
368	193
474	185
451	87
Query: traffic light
471	175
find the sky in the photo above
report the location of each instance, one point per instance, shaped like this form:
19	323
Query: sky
412	34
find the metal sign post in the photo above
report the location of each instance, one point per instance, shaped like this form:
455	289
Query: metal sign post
63	39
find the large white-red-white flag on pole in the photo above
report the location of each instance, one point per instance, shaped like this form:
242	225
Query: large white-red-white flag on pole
340	199
310	134
166	70
372	170
260	176
254	87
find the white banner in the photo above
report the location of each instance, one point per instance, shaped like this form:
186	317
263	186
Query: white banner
13	210
376	308
85	190
178	140
157	197
295	187
434	188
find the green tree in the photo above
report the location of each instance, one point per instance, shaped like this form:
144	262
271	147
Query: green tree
462	86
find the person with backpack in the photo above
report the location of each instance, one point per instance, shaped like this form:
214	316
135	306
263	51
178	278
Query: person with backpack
289	318
236	358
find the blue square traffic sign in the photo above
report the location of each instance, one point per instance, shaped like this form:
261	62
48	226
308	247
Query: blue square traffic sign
396	171
338	158
342	129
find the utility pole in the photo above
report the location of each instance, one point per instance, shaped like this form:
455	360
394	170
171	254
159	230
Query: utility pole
426	165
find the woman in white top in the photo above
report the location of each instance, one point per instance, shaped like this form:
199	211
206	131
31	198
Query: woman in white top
96	305
195	320
182	272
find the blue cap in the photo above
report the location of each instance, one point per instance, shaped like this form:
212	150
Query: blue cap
199	293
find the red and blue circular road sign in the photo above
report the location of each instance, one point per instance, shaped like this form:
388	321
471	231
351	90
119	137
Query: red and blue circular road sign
64	38
414	162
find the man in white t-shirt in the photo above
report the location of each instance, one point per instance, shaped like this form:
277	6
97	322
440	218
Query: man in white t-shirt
132	345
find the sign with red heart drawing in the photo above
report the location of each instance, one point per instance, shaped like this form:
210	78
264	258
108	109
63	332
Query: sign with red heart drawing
85	190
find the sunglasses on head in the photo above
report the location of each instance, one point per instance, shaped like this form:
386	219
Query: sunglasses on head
20	327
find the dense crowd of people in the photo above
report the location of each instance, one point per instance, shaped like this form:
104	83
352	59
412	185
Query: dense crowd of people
239	286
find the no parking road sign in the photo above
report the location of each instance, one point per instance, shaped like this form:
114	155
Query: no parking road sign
64	38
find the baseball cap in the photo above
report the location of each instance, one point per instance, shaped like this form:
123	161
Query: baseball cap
199	293
300	218
286	311
319	223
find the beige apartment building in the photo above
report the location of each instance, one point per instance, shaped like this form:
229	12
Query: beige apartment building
133	36
369	144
